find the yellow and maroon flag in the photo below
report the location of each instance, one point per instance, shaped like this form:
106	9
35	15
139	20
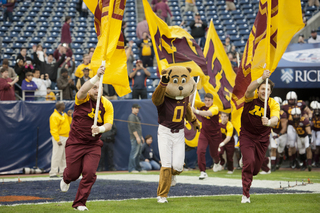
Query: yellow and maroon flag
276	23
173	46
220	71
108	15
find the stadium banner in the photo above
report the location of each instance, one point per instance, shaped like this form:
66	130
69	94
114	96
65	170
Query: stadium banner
299	67
108	15
20	121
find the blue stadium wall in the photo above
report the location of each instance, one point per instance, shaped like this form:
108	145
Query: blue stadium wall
20	122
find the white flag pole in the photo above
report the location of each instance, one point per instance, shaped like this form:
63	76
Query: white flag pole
96	113
197	79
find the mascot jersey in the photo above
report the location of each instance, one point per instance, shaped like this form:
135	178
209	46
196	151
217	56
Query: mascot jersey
171	113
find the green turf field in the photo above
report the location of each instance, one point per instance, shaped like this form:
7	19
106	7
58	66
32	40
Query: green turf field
259	203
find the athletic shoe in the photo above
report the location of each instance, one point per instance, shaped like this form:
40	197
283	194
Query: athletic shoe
173	181
293	165
63	186
245	199
230	172
303	167
273	168
203	175
240	163
143	171
265	173
54	176
309	168
81	208
134	171
162	200
217	167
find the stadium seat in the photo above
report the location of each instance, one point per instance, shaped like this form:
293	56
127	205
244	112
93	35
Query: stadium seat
17	45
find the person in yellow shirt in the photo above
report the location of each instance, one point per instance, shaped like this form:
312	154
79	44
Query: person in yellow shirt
227	143
59	129
50	95
86	63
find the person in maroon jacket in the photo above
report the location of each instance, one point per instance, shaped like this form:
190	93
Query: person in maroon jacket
65	31
83	147
7	10
164	8
7	86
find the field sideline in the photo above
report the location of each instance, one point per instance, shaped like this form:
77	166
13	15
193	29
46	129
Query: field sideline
218	193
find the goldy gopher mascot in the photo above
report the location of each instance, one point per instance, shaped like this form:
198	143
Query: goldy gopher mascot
171	98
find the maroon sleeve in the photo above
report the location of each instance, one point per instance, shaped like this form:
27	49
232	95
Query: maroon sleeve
4	84
168	9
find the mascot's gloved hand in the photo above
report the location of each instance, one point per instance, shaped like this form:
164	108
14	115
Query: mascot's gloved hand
165	78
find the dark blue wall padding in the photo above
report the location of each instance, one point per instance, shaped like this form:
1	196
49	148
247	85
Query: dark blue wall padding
20	121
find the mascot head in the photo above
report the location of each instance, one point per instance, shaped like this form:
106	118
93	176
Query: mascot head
180	84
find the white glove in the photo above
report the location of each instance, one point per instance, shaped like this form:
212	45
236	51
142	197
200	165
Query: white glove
221	144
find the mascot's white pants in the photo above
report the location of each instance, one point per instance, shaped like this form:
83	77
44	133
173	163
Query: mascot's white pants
315	139
279	143
171	148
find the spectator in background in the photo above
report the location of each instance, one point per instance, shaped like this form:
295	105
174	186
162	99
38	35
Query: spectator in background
28	84
62	49
139	76
108	139
7	85
123	27
42	82
70	69
84	78
66	84
164	10
21	71
313	3
304	18
65	31
154	2
91	51
142	27
130	57
146	50
232	59
190	5
301	39
198	28
315	38
50	95
230	5
50	67
136	138
40	52
7	10
84	10
86	63
109	92
11	73
228	46
23	55
148	160
59	128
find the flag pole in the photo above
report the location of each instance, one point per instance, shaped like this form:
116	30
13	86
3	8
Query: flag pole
267	64
195	91
98	99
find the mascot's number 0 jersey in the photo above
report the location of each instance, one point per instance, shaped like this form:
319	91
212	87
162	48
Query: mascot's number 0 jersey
83	118
253	110
171	113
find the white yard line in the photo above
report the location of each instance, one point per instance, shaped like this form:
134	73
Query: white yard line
213	181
